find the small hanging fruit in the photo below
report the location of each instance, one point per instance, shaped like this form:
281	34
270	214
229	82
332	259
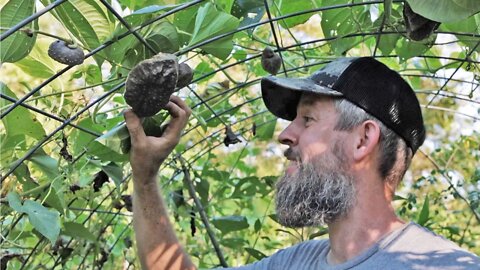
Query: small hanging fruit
271	61
65	53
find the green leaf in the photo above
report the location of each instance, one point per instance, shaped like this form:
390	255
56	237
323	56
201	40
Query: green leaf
164	38
257	254
93	75
46	164
201	70
86	20
470	25
77	230
210	23
424	213
228	224
407	49
19	121
244	9
115	172
37	63
19	44
117	51
46	222
14	201
287	7
265	131
339	22
154	9
445	10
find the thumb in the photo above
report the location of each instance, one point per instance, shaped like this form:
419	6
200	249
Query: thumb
134	126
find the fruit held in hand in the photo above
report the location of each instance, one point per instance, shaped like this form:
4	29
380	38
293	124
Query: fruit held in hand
185	75
65	53
271	61
151	83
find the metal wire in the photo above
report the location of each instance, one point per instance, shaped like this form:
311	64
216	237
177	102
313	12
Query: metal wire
101	47
127	25
467	58
46	138
51	116
279	51
29	19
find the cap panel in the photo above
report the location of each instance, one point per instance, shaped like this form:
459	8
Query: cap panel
279	100
384	94
329	74
281	95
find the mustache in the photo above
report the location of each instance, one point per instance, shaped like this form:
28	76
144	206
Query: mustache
292	154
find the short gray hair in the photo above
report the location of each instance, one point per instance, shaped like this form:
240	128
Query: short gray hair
392	147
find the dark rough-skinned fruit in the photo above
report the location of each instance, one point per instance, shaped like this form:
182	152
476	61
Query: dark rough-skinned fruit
417	26
151	83
65	53
271	61
185	75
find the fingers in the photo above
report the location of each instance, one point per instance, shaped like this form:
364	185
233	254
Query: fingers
134	126
179	112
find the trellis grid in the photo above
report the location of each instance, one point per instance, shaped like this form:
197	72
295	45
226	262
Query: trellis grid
202	143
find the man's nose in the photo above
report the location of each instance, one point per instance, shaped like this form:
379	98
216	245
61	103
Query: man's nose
289	135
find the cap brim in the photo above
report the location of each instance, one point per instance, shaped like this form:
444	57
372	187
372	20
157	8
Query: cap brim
281	95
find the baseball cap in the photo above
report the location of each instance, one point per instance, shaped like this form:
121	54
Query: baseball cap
364	81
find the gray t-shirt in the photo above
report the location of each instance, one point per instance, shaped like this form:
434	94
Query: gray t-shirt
409	247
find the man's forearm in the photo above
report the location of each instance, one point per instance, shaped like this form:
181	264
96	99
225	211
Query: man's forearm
158	247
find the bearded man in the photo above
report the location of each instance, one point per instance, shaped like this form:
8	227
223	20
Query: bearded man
355	125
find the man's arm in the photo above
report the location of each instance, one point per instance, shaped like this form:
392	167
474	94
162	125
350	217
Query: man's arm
158	246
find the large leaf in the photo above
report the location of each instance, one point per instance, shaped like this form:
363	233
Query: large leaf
77	230
445	10
470	25
19	121
87	20
407	49
286	7
45	221
37	63
46	164
210	23
19	44
115	172
228	224
339	22
164	38
243	9
116	52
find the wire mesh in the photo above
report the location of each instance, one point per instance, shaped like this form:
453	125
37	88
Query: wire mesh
235	104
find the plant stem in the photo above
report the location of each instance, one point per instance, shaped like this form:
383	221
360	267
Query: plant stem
201	211
474	212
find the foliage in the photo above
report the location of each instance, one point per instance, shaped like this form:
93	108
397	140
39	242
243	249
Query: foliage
66	183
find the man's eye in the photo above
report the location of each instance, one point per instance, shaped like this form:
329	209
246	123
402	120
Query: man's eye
307	119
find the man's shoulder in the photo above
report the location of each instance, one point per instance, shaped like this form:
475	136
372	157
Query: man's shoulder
416	237
424	249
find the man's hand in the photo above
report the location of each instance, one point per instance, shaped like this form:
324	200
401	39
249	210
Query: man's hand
158	246
147	152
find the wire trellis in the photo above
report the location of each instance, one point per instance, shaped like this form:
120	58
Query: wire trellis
202	142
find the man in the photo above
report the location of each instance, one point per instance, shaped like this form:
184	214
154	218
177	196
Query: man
355	127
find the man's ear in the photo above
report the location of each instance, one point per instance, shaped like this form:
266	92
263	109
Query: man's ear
367	136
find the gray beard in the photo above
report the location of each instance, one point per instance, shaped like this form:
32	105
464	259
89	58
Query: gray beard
318	193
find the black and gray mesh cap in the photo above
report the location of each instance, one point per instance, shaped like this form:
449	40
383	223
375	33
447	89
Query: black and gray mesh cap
365	82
